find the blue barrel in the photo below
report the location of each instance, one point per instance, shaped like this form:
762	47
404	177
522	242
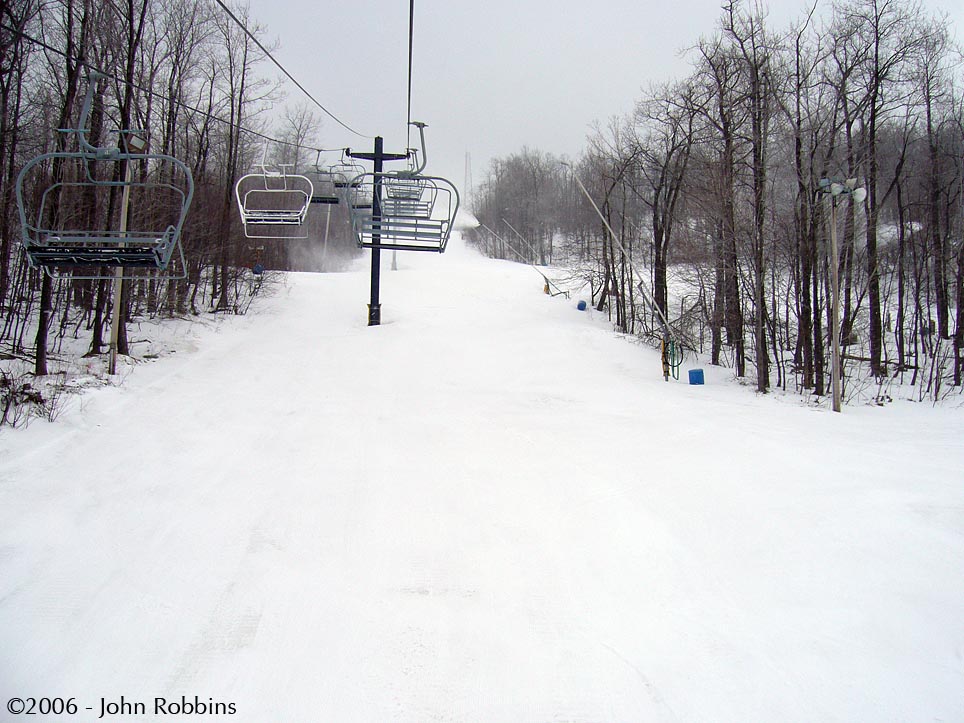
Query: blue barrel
696	376
581	305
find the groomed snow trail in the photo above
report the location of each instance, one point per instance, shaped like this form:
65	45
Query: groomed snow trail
490	508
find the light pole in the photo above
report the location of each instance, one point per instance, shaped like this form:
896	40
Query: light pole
835	188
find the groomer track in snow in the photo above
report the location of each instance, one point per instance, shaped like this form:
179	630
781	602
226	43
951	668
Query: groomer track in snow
490	508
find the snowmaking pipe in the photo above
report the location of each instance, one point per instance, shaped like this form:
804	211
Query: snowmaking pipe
534	254
671	351
522	258
521	237
641	285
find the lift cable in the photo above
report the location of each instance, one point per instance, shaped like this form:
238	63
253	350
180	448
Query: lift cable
411	36
289	75
182	104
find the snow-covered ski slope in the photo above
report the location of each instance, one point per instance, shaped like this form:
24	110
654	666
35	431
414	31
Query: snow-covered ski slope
489	509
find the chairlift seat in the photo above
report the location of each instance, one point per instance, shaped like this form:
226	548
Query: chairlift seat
136	249
67	255
404	234
268	216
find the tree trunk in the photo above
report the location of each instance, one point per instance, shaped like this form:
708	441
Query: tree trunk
97	332
716	321
934	232
959	330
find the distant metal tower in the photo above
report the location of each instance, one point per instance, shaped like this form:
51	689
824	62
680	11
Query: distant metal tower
469	191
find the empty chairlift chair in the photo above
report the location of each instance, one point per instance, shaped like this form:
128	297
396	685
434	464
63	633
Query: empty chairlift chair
409	212
409	196
70	206
274	203
344	173
325	191
346	178
412	212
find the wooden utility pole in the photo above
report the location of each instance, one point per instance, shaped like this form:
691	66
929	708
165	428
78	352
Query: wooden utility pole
116	308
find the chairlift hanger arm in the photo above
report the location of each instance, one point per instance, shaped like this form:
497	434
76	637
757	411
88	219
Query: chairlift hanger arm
421	133
319	151
93	77
369	156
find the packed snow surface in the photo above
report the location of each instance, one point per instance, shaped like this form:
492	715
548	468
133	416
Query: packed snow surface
491	508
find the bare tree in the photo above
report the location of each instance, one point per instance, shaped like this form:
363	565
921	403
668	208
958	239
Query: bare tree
666	135
747	32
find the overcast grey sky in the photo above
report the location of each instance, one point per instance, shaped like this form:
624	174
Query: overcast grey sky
491	76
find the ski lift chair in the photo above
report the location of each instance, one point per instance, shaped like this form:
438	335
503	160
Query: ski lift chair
274	203
327	184
66	224
423	223
325	190
407	195
410	211
345	172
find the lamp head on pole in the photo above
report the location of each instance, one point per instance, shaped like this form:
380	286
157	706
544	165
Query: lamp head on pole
838	187
134	141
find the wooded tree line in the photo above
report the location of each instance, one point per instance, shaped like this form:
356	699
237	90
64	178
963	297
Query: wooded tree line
196	82
712	186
